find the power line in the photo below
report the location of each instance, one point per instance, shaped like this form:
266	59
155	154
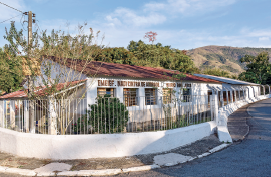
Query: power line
11	7
9	19
38	25
22	23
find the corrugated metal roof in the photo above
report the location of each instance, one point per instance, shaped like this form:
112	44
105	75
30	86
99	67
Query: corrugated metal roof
225	80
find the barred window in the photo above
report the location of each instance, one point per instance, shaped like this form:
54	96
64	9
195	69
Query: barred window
108	91
130	96
150	96
187	94
167	95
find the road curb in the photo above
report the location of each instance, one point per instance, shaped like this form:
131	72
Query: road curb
19	171
106	171
141	168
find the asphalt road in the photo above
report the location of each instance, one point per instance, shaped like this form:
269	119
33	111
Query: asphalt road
251	157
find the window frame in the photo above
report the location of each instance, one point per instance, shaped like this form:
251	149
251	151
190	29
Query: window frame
167	95
152	99
129	95
106	92
187	98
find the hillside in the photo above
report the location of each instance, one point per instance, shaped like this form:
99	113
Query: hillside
224	57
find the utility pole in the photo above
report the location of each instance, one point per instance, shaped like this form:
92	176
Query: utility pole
29	28
30	78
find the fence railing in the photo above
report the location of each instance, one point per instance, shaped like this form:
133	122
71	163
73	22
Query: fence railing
104	114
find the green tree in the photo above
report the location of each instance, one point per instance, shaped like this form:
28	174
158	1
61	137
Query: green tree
10	71
216	72
258	68
49	54
117	55
161	56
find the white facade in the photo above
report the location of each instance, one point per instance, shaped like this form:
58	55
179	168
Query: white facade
196	87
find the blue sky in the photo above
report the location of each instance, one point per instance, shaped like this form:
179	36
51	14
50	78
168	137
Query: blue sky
182	24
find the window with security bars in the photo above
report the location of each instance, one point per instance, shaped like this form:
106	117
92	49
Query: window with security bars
108	91
130	96
167	95
150	96
187	95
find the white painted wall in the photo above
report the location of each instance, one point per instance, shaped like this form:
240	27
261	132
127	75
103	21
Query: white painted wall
67	74
103	145
150	112
92	85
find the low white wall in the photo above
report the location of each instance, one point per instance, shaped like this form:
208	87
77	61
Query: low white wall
95	146
225	111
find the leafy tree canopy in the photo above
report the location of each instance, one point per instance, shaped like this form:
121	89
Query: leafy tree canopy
162	56
117	55
142	54
258	68
10	71
216	72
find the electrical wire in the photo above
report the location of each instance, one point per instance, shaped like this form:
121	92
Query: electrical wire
36	24
9	19
22	23
11	7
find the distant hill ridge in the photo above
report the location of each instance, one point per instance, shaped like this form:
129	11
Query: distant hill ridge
224	57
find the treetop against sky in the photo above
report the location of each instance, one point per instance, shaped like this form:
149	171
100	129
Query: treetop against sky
183	24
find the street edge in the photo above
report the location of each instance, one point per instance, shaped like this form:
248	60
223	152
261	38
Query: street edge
27	172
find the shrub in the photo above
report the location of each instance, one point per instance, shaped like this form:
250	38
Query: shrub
108	115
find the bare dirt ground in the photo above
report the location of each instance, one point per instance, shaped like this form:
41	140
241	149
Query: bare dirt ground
194	149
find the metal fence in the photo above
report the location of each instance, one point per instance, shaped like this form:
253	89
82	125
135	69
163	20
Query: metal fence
104	115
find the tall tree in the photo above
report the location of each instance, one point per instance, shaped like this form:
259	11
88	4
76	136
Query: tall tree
49	54
258	68
161	56
117	55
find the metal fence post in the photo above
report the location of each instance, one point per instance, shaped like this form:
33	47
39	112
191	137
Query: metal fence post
52	117
26	115
2	114
12	114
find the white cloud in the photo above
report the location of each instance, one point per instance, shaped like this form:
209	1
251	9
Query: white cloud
264	39
256	33
128	17
187	7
